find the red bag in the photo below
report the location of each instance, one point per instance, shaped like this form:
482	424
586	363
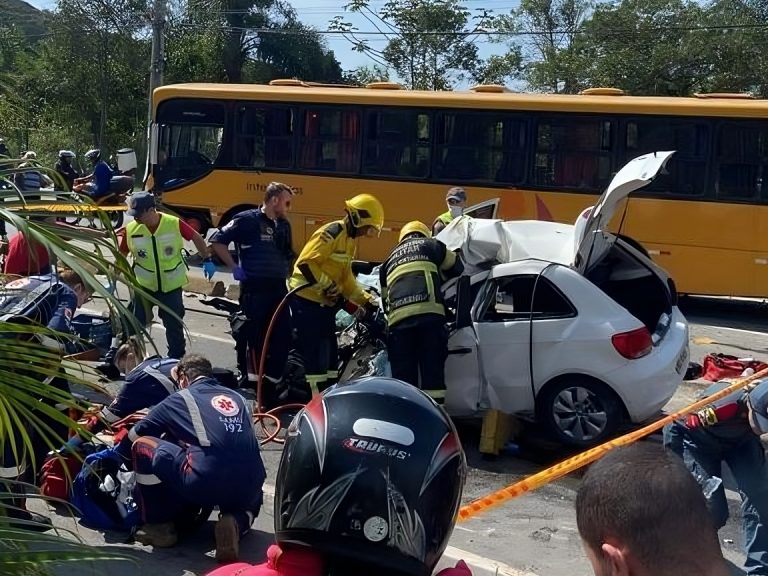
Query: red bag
719	366
55	482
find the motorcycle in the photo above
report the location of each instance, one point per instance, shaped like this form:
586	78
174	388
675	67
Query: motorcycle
114	198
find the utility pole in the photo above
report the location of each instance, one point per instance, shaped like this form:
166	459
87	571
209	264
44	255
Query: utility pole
158	51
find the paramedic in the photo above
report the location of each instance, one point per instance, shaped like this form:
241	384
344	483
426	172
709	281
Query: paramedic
456	200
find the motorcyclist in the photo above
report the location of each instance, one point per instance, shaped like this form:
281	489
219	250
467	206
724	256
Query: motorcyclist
65	169
4	148
28	180
369	482
96	184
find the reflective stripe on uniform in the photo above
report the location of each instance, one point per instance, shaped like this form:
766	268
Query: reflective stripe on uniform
147	479
162	378
436	394
195	417
12	471
332	374
133	435
314	382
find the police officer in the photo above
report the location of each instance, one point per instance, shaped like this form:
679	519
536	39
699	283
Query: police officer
209	457
325	267
155	241
262	237
410	288
729	431
456	200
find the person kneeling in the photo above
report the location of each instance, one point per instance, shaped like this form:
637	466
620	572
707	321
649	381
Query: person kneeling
209	457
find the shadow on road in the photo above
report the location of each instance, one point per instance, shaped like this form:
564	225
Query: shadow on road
740	314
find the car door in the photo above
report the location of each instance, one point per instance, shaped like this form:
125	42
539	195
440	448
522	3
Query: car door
486	210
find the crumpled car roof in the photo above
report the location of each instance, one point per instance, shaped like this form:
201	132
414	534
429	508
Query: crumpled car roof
484	243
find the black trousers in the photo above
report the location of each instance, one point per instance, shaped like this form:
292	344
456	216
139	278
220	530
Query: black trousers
416	348
259	301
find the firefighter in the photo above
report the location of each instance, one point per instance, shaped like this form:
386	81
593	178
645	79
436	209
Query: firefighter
729	431
365	501
325	265
209	456
262	237
456	200
155	241
410	289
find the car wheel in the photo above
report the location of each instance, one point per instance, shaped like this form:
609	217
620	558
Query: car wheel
579	411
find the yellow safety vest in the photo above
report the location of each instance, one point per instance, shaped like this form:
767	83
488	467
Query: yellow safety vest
157	260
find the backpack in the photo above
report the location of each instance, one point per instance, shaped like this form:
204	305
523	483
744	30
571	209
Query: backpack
719	366
103	492
57	474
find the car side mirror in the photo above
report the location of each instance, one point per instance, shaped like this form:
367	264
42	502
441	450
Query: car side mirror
463	302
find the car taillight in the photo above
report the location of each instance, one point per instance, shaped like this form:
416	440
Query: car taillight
633	344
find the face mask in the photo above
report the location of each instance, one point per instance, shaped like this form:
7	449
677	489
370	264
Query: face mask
455	211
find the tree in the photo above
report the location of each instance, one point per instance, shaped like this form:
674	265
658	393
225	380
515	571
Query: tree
432	44
364	75
543	33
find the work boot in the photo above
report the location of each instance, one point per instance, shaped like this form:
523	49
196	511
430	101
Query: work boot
158	535
227	539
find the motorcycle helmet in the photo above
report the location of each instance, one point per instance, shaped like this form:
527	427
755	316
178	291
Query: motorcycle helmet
415	227
365	210
67	154
29	155
371	474
93	155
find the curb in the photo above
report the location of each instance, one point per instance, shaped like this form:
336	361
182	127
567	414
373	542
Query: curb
479	565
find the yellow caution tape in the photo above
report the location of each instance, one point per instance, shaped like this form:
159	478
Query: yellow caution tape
575	462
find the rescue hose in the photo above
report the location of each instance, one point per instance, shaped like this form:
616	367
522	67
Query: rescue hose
567	466
259	416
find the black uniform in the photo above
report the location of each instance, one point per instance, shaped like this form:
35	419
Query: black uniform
410	287
265	253
67	172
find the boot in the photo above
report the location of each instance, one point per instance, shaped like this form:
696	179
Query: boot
227	539
158	535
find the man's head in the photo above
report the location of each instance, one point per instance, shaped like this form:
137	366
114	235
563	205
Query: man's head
73	280
141	205
277	200
66	156
456	199
191	367
29	155
365	215
93	156
641	513
129	355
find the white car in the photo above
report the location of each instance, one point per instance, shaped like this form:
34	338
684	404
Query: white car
570	325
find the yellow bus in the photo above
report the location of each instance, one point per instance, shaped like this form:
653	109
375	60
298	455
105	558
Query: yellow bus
214	148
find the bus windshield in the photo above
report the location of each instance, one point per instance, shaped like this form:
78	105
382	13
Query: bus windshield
189	140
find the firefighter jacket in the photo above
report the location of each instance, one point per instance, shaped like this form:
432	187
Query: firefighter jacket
326	263
412	276
157	260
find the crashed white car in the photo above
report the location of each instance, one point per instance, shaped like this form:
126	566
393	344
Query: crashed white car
570	325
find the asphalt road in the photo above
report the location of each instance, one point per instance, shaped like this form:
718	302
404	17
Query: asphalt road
536	533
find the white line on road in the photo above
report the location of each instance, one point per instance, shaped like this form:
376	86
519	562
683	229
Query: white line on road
753	332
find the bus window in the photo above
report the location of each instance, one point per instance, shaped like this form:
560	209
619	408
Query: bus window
397	143
741	151
480	147
686	172
264	137
189	139
574	153
331	140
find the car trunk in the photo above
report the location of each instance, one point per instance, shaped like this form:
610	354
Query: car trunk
636	286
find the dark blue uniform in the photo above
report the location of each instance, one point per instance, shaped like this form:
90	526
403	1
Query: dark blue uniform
265	253
210	455
146	385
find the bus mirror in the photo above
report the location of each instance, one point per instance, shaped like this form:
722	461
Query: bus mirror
153	143
463	302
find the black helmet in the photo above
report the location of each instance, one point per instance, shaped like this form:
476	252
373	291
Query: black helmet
372	473
93	155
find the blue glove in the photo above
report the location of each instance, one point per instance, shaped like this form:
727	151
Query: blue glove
209	269
239	274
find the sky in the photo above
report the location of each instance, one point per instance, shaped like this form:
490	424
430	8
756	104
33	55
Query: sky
318	13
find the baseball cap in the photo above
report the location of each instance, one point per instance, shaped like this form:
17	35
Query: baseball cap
758	400
456	193
138	202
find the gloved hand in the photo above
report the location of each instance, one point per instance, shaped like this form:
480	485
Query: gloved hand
239	274
209	268
711	415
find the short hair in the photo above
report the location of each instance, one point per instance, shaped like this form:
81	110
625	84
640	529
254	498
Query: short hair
647	499
71	278
274	189
131	346
194	366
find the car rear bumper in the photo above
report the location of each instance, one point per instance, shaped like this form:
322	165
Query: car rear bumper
656	376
